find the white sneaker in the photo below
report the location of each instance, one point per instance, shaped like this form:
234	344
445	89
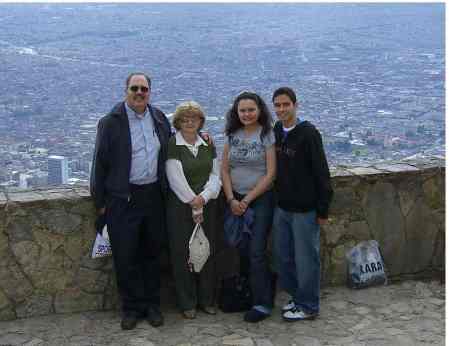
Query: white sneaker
298	315
289	306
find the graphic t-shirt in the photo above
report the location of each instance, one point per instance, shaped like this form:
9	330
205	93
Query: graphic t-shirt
247	158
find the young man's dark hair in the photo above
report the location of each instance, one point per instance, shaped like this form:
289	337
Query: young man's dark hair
285	91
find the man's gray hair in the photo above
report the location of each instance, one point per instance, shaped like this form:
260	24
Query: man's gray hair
138	74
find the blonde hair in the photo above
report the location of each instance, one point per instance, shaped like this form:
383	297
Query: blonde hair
190	108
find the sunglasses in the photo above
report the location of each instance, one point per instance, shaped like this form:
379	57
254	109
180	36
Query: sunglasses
135	88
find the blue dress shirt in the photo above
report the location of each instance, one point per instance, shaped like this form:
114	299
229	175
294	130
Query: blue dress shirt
145	147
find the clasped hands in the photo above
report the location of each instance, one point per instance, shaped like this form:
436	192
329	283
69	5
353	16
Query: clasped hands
197	208
238	207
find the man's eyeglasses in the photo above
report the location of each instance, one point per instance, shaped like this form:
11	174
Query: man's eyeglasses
135	88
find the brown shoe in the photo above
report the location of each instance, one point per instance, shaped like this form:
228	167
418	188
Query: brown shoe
189	314
210	310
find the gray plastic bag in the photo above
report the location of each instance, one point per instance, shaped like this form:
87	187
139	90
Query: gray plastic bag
365	265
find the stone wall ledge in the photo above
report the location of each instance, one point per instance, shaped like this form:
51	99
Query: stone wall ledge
46	236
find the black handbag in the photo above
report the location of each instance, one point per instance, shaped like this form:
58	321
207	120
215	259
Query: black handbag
235	294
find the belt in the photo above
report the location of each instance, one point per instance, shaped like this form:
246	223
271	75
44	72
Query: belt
143	187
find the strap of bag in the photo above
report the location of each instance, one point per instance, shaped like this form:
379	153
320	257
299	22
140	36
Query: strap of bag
197	227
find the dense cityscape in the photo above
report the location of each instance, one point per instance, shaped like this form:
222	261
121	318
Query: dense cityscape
371	77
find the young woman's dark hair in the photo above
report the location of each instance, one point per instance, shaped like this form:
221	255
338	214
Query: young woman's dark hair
285	91
233	122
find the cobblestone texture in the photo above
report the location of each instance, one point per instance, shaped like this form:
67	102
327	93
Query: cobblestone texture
410	313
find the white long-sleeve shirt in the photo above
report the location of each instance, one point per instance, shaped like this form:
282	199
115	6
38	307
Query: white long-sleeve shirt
178	182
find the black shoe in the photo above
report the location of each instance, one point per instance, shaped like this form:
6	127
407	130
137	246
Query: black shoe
129	322
254	315
155	317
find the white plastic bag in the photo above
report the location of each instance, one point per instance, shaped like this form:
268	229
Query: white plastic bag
365	265
102	246
199	249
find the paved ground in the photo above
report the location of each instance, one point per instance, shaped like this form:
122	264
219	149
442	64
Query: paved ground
410	313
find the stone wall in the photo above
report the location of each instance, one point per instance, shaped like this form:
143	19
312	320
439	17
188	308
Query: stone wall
46	237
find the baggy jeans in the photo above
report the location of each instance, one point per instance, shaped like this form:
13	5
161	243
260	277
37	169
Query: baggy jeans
297	251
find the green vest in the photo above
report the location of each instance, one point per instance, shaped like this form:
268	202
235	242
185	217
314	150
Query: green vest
196	169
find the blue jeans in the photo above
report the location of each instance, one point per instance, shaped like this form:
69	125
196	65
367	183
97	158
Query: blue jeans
297	251
256	252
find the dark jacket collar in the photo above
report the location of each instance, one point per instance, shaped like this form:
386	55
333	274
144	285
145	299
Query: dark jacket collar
119	110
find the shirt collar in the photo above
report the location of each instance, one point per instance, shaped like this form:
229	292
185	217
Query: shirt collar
131	112
181	141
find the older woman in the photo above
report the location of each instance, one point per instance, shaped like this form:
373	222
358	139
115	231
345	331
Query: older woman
193	176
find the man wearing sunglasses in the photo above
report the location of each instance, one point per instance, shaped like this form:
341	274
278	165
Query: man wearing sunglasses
127	184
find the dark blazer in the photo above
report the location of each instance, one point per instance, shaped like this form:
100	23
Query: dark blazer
111	164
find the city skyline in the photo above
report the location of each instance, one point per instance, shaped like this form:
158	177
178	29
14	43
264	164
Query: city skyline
371	77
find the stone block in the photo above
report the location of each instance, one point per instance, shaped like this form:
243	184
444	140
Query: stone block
438	259
19	229
60	222
434	192
337	273
409	191
91	281
54	273
26	254
364	170
385	220
76	247
7	314
46	269
419	250
84	208
15	285
4	301
396	167
82	192
359	230
344	201
46	240
427	163
5	252
332	232
24	197
325	259
340	171
3	199
111	296
73	299
35	305
346	230
54	194
111	300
